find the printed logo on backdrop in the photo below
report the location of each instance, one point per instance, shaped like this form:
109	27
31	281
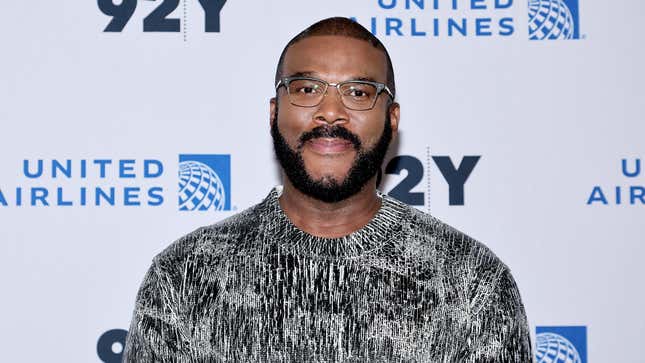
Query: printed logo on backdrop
561	344
204	182
86	182
455	177
441	18
629	191
553	19
169	16
548	19
110	345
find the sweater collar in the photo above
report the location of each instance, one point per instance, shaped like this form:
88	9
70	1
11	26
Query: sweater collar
387	222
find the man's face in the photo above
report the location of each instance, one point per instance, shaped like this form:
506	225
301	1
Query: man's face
328	151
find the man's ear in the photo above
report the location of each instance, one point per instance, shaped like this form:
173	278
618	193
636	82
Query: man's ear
272	111
395	116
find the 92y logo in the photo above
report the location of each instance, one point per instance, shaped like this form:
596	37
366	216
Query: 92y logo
157	20
455	177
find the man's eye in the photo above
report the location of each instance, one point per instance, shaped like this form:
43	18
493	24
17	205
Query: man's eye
305	88
308	90
357	93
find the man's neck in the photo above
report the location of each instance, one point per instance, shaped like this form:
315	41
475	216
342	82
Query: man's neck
330	220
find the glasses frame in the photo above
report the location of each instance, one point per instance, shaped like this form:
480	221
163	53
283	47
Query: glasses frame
380	87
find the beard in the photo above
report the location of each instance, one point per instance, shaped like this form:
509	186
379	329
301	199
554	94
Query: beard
327	189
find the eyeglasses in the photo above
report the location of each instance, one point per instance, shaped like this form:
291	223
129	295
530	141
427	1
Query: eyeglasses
355	95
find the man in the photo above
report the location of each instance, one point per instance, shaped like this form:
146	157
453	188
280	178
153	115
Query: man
326	268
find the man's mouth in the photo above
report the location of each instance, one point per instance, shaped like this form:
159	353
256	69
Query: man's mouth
327	145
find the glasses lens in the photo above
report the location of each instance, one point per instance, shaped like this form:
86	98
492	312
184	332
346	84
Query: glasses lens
358	96
306	92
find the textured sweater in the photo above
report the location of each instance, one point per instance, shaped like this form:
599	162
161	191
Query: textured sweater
255	288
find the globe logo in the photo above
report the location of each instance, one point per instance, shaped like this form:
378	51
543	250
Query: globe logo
200	188
554	348
550	19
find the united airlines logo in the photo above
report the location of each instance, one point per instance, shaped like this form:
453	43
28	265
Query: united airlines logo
553	19
204	182
629	190
548	19
438	19
561	344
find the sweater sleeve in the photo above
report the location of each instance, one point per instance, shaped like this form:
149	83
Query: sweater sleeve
154	335
499	330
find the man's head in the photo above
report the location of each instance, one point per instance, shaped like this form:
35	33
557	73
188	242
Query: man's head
343	27
333	147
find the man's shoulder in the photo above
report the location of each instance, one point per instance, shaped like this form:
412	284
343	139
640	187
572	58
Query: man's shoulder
445	252
431	239
213	241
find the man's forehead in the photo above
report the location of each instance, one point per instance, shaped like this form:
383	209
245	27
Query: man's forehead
334	55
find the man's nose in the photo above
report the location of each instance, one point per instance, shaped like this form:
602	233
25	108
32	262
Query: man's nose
331	109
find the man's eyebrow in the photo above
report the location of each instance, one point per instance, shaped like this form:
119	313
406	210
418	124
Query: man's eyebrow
303	74
315	75
368	79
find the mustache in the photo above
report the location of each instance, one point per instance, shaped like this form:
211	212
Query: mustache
331	132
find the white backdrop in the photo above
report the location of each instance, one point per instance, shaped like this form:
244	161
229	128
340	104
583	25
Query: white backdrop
551	120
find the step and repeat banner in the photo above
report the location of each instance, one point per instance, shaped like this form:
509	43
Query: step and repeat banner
523	125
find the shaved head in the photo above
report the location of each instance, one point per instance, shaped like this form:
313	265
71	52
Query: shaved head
340	27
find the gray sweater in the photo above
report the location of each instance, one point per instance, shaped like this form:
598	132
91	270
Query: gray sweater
254	288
